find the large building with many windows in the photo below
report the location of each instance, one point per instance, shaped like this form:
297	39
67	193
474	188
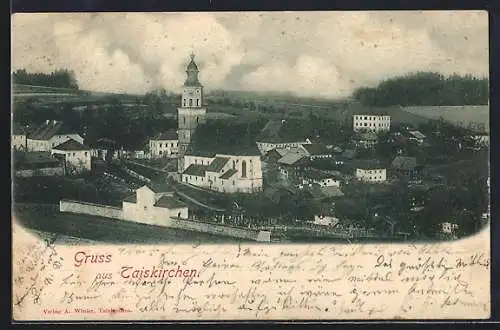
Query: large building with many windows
370	122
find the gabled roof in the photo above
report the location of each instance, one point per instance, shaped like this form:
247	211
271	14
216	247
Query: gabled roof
217	164
318	175
71	145
282	131
316	149
369	136
196	170
229	173
168	135
49	129
417	134
369	164
170	202
37	157
291	158
292	150
404	163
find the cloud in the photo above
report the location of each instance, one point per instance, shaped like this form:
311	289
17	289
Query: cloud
325	54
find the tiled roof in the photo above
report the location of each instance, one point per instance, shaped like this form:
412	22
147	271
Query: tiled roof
50	129
71	145
296	150
404	162
316	149
229	173
369	164
37	159
168	135
170	202
217	164
291	158
196	170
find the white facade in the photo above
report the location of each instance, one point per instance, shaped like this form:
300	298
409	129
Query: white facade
233	173
80	159
48	144
372	174
147	207
448	227
18	141
164	148
264	147
372	123
325	220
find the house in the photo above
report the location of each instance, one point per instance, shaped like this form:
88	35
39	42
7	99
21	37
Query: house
225	172
291	164
317	151
37	163
50	134
75	155
323	179
371	122
365	140
416	136
153	204
281	135
165	144
370	171
407	168
18	137
449	228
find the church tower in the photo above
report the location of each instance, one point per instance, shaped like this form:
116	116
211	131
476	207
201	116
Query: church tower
191	113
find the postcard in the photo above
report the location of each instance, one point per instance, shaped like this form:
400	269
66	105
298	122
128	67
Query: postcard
250	166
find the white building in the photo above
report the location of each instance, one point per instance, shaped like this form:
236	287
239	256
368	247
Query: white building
50	134
273	136
154	205
18	138
448	227
74	154
164	145
224	173
324	220
371	174
374	123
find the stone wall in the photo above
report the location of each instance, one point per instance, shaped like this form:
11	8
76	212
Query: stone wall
90	209
250	234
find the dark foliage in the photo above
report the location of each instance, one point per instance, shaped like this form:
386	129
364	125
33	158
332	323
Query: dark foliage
426	88
59	79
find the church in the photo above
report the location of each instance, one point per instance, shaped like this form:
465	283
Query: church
226	169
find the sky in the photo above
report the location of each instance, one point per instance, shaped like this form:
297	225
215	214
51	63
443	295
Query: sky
319	54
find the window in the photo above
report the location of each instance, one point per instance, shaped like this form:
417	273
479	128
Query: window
197	120
365	118
73	154
184	102
184	120
234	164
197	102
244	169
86	153
190	102
145	208
233	183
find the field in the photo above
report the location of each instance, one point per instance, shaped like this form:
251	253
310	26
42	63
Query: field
459	115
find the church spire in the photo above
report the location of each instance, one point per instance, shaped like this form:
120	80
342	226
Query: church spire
192	73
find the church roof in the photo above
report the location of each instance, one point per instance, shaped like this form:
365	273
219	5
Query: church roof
196	170
49	129
217	164
228	174
192	74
